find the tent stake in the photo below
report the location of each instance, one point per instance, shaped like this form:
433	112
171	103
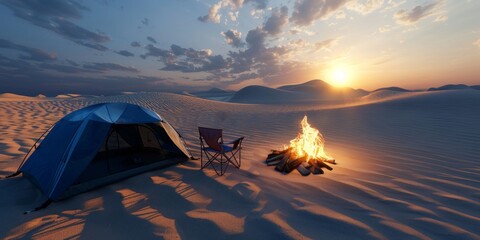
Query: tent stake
44	205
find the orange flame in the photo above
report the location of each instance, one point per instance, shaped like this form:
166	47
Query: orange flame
309	143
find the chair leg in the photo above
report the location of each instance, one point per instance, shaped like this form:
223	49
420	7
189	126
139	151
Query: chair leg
219	161
201	158
219	170
237	162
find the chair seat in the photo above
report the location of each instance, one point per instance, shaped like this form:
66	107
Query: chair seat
226	148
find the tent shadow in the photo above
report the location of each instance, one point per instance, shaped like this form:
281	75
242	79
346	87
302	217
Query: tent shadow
173	202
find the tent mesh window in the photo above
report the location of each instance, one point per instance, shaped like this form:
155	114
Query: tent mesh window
129	146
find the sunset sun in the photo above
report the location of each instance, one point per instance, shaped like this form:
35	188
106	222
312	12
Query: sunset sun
339	77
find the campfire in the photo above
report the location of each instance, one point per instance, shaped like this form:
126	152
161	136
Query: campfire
305	153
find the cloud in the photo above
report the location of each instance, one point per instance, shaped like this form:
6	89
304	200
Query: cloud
326	44
256	39
385	28
365	7
254	60
187	60
135	44
16	67
233	38
190	52
477	43
257	60
409	17
305	12
299	44
73	63
258	4
182	59
214	15
276	21
179	66
441	18
340	15
394	4
31	53
233	16
95	46
64	68
216	62
57	17
53	84
243	77
151	39
153	51
104	67
73	31
191	60
125	53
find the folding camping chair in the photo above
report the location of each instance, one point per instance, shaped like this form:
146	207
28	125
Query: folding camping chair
219	154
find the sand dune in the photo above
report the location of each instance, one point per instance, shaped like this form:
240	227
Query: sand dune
311	91
387	95
67	96
16	97
261	94
408	169
213	94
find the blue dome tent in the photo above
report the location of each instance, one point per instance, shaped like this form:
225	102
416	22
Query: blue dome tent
101	144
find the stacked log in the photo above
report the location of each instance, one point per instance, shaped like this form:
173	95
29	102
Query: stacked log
285	162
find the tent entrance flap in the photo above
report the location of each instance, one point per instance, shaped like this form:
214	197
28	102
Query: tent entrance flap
130	146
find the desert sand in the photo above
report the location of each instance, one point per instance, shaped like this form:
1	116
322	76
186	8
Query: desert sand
408	168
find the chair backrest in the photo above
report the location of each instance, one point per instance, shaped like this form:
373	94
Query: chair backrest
212	137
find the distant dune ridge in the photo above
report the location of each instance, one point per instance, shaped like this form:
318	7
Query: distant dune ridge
314	90
311	91
395	89
453	87
407	169
262	94
213	94
17	97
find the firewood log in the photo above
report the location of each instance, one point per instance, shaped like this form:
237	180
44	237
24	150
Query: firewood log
316	170
274	158
276	152
307	165
331	161
302	170
274	162
293	163
281	165
321	164
271	155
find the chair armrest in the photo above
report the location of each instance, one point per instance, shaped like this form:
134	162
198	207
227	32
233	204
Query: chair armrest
236	142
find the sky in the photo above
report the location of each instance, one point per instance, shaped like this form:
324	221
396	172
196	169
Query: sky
107	47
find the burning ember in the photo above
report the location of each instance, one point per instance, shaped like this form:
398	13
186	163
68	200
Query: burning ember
306	153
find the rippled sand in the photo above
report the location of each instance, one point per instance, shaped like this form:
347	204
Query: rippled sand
408	168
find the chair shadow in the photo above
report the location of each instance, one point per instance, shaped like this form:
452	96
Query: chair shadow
126	209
